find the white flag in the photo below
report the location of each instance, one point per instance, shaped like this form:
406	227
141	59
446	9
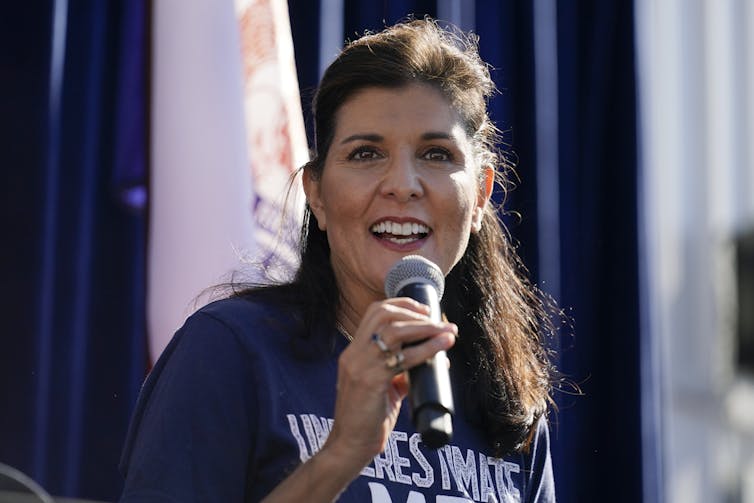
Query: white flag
200	185
275	129
227	132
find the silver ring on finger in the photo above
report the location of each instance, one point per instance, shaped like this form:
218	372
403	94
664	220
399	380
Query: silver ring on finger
394	362
377	339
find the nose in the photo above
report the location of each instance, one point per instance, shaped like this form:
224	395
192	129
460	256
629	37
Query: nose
402	179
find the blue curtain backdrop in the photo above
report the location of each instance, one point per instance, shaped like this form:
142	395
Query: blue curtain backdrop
600	436
73	349
73	289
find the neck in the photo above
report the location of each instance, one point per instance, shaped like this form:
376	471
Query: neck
354	298
347	319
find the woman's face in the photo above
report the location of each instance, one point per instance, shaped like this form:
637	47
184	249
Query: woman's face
400	178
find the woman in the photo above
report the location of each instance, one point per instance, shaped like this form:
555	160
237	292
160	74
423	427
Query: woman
295	392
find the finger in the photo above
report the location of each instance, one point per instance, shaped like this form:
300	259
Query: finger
398	309
394	362
397	334
383	313
378	340
408	303
414	355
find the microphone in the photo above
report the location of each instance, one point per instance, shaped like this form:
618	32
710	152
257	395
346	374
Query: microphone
430	394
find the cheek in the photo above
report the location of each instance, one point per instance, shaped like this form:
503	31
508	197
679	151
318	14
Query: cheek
465	205
468	202
340	212
337	212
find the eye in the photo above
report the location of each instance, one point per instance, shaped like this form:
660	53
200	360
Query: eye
437	154
363	153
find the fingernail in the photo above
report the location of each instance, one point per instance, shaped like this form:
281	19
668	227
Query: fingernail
451	338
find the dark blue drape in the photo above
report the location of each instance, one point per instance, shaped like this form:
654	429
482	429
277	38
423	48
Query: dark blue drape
598	176
597	437
73	350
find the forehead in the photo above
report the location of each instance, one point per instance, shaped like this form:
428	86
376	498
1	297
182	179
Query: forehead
414	106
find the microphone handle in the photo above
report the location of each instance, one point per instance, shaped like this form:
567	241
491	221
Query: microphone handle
430	393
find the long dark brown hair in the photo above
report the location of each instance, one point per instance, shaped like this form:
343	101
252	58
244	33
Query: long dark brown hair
501	318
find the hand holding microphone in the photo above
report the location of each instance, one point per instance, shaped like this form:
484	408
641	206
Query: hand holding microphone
430	393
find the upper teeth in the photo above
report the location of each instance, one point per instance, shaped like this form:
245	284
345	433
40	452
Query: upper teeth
405	229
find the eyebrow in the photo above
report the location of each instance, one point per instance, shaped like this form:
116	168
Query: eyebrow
368	137
436	135
430	135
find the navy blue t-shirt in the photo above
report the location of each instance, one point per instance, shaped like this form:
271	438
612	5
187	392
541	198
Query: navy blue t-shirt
230	410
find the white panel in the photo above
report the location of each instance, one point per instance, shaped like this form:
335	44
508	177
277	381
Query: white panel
459	12
695	96
330	32
200	185
548	182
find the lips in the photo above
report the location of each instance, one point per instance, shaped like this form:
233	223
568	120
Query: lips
400	232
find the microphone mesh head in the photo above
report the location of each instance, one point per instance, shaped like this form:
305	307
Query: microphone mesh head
413	269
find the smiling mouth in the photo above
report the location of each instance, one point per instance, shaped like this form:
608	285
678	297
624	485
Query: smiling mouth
400	233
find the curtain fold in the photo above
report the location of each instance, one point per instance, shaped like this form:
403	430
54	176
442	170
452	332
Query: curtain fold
600	436
79	316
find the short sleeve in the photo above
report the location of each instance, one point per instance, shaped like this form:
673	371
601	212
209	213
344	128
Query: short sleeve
541	483
189	438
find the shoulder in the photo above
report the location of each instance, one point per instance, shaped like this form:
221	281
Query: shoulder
226	335
541	486
243	310
245	319
221	337
199	387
